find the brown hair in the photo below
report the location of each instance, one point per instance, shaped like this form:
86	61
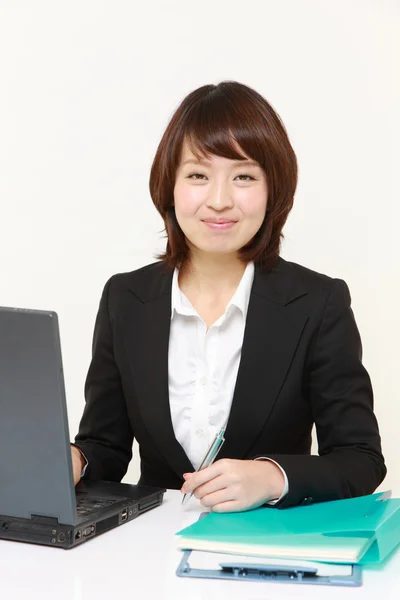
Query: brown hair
211	119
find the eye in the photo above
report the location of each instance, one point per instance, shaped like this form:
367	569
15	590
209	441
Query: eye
195	176
250	178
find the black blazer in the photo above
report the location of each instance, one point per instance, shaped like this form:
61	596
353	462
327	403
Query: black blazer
300	364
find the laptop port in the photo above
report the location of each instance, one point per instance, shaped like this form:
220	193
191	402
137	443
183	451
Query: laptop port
78	535
124	514
88	531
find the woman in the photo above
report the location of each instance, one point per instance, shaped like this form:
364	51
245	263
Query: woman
222	331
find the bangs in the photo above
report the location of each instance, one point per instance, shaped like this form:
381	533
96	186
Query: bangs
216	126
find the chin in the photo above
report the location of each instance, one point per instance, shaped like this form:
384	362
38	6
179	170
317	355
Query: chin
209	249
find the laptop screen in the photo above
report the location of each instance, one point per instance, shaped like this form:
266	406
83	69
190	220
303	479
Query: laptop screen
35	460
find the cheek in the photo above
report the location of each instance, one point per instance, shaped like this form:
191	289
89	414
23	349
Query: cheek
187	200
252	203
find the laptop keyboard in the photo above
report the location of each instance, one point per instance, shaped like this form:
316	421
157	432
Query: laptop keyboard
85	505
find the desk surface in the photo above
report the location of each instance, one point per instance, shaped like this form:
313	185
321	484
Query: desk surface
138	561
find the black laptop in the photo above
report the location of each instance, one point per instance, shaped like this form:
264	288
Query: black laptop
38	501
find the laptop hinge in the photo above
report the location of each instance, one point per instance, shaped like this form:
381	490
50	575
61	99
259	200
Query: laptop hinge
44	520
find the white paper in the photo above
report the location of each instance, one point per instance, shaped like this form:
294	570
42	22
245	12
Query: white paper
329	549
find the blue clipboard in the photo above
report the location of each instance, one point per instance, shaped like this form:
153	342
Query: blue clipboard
275	573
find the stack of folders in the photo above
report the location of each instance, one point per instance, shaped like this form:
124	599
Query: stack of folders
324	543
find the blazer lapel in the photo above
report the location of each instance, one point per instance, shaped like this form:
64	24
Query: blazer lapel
147	344
271	336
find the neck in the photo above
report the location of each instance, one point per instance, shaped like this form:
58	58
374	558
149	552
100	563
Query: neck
211	272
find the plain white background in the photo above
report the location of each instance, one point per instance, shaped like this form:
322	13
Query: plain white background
86	90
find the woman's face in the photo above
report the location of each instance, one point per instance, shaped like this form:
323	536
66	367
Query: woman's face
220	204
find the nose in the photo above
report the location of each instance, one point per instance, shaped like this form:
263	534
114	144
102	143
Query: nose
219	197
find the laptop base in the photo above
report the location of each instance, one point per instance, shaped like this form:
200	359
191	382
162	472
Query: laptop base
49	532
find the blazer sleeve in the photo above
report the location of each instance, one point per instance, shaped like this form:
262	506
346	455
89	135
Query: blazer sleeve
105	434
350	462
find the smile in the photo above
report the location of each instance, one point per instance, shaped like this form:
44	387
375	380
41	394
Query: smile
219	225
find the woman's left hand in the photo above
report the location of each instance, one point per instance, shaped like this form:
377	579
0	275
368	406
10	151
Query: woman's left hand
231	485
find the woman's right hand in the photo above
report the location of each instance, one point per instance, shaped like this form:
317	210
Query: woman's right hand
78	463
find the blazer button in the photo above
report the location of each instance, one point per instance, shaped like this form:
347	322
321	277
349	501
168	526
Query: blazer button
307	500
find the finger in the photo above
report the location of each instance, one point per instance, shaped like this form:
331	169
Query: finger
216	498
77	476
218	483
228	506
204	475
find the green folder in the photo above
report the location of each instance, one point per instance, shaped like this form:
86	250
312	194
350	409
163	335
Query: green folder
356	530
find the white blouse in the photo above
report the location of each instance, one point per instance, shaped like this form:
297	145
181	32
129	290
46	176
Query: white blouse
203	367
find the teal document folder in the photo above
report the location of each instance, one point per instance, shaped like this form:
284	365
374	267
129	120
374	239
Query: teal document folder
355	530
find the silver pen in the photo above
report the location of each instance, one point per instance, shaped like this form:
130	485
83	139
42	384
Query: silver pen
209	457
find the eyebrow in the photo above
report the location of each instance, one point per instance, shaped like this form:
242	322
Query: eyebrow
238	163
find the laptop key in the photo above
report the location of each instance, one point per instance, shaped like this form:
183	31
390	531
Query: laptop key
86	505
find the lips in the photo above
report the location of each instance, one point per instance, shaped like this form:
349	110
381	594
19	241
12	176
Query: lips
219	224
219	221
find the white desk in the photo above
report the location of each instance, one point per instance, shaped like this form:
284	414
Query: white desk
138	561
